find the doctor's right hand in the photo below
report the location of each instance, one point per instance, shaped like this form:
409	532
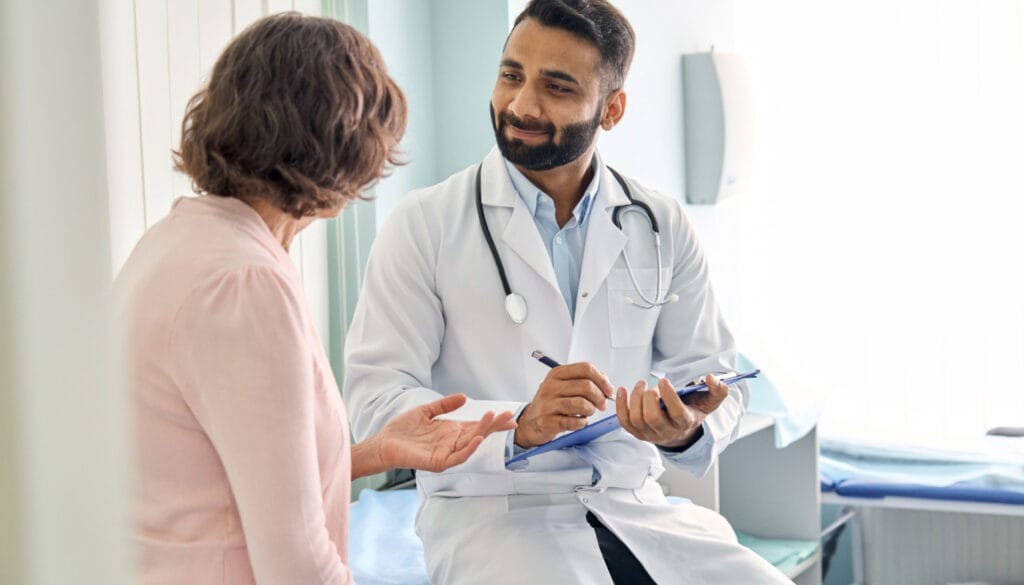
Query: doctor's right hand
567	396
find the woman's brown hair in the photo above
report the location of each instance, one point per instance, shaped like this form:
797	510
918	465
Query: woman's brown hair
298	110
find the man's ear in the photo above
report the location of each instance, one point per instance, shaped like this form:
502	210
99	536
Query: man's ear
614	108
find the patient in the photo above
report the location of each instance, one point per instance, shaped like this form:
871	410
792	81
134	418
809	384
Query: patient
243	456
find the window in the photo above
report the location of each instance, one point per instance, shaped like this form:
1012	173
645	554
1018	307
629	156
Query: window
884	235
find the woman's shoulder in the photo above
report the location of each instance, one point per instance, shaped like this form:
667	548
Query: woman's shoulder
187	252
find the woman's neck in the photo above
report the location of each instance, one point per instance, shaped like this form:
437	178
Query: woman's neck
283	225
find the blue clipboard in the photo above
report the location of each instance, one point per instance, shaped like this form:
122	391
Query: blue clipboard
607	425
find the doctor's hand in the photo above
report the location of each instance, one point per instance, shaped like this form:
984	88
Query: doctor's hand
679	423
418	440
564	400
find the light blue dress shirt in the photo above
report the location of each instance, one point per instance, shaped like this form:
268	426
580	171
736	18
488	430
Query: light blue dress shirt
564	244
565	249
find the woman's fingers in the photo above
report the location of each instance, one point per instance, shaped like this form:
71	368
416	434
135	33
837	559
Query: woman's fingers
461	455
488	423
492	423
484	424
444	405
503	422
480	428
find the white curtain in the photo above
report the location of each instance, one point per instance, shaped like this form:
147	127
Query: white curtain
882	245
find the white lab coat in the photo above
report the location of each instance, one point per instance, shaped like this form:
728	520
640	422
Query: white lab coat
431	321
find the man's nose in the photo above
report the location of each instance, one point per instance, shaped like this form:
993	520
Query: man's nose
525	103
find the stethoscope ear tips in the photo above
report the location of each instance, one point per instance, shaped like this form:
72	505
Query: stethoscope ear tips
672	298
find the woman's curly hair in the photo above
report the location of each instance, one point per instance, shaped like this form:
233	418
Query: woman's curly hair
299	111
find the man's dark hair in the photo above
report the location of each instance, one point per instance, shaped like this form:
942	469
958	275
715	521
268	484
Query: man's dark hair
596	21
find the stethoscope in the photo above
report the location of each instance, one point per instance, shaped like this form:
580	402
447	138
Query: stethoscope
515	304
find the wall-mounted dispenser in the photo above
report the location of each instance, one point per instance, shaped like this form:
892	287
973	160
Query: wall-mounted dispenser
718	118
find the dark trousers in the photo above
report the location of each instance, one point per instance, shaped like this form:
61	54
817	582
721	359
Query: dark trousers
624	568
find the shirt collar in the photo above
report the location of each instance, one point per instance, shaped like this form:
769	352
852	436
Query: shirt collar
531	194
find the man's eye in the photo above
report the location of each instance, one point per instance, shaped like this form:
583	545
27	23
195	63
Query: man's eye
510	76
558	88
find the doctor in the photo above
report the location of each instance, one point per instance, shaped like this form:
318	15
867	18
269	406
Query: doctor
525	252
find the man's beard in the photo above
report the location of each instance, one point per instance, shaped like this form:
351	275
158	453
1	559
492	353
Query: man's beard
575	140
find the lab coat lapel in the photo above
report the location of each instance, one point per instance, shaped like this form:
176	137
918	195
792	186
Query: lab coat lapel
522	237
520	233
604	241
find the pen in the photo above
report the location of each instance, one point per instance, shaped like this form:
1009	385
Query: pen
539	356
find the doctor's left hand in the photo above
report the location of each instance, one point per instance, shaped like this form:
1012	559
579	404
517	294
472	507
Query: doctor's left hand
417	440
678	424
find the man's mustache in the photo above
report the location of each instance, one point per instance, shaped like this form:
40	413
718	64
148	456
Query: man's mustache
507	118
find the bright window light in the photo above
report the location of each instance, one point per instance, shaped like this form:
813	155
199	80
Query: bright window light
884	235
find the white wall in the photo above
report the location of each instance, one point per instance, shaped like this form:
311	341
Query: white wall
62	434
648	143
883	232
156	55
468	38
398	29
444	55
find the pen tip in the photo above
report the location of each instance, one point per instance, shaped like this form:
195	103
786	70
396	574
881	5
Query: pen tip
537	354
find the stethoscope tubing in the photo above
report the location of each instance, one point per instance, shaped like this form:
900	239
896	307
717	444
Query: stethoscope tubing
515	304
632	274
487	234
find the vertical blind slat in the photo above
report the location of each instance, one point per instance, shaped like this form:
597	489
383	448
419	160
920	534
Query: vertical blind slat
183	71
246	11
127	202
154	105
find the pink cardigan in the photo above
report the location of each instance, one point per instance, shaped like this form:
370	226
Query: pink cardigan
242	446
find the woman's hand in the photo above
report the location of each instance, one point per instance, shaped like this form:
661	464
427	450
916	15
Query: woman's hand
417	440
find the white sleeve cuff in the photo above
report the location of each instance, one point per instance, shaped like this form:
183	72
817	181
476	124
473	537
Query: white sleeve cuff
511	449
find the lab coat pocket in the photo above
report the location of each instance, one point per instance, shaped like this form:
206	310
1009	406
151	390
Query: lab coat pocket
629	323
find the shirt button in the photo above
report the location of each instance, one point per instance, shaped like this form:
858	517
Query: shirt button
584	295
558	240
586	501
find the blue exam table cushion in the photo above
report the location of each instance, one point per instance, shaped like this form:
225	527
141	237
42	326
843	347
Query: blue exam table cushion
986	470
956	492
383	547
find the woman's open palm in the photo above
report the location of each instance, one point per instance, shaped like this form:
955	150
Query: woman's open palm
417	439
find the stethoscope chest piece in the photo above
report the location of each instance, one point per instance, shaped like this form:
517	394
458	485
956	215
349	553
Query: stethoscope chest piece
515	308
